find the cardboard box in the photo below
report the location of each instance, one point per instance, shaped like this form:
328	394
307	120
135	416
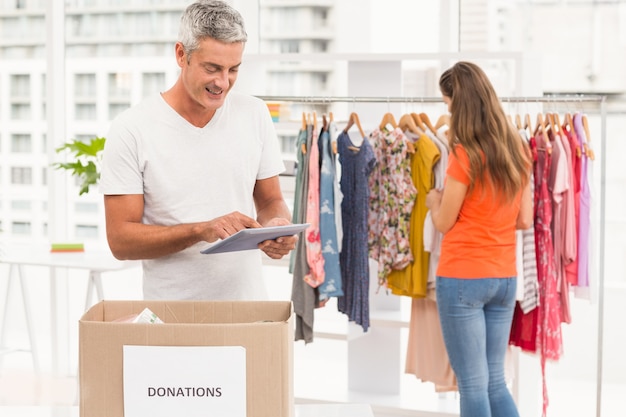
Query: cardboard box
264	329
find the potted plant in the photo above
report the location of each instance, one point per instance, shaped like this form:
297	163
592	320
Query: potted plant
85	163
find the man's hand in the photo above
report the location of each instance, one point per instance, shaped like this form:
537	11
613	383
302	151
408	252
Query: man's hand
281	246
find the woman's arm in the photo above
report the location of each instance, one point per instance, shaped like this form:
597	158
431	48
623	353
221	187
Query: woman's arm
525	216
445	205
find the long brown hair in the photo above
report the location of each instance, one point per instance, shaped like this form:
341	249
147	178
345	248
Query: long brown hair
478	123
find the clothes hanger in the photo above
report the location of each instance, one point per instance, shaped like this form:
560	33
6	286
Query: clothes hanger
418	121
557	122
354	120
588	149
333	142
541	127
304	125
408	124
518	121
568	125
443	120
324	123
527	123
424	118
388	123
551	125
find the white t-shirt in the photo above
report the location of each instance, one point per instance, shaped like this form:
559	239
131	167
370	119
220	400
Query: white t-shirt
189	174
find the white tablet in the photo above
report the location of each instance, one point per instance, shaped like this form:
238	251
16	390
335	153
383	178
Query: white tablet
247	239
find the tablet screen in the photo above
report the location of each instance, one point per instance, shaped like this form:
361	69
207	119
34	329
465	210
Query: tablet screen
247	239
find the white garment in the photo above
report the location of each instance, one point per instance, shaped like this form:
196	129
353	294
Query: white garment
189	174
432	237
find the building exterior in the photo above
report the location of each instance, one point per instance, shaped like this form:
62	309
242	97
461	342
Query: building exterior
119	51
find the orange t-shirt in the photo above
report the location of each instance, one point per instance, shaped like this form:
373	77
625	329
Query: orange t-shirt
481	244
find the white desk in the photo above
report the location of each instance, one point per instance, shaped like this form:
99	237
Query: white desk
94	261
301	410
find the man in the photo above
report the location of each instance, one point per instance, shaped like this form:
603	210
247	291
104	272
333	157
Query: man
193	165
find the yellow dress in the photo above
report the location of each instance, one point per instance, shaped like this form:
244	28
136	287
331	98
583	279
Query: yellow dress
412	281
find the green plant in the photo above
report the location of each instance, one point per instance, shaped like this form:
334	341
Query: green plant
86	161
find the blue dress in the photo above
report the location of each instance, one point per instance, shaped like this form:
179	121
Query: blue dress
356	166
331	287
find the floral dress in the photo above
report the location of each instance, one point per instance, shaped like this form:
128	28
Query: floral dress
392	196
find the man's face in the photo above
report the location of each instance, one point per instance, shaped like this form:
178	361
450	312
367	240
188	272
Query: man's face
210	71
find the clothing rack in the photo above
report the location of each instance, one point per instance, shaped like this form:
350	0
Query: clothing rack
554	99
575	98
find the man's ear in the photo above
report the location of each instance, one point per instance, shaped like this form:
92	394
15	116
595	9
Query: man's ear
181	57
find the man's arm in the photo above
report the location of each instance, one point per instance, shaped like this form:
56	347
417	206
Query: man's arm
273	211
129	238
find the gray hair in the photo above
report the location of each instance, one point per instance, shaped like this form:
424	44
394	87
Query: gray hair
214	19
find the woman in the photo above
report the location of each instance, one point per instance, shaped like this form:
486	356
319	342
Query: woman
486	197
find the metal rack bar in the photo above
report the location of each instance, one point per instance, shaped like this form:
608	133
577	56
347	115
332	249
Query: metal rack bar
401	99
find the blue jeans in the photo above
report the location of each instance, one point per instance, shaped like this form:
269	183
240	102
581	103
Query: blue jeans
476	317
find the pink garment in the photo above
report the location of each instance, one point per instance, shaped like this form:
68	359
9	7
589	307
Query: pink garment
314	255
571	270
539	331
558	185
568	237
426	354
585	209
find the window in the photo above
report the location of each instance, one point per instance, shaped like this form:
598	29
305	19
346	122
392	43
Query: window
152	83
21	143
86	111
320	46
43	97
319	81
21	228
85	86
21	176
289	47
86	207
320	17
117	108
20	85
287	143
283	83
86	231
20	111
21	205
120	85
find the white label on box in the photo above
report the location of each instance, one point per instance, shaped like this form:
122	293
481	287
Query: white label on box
190	381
